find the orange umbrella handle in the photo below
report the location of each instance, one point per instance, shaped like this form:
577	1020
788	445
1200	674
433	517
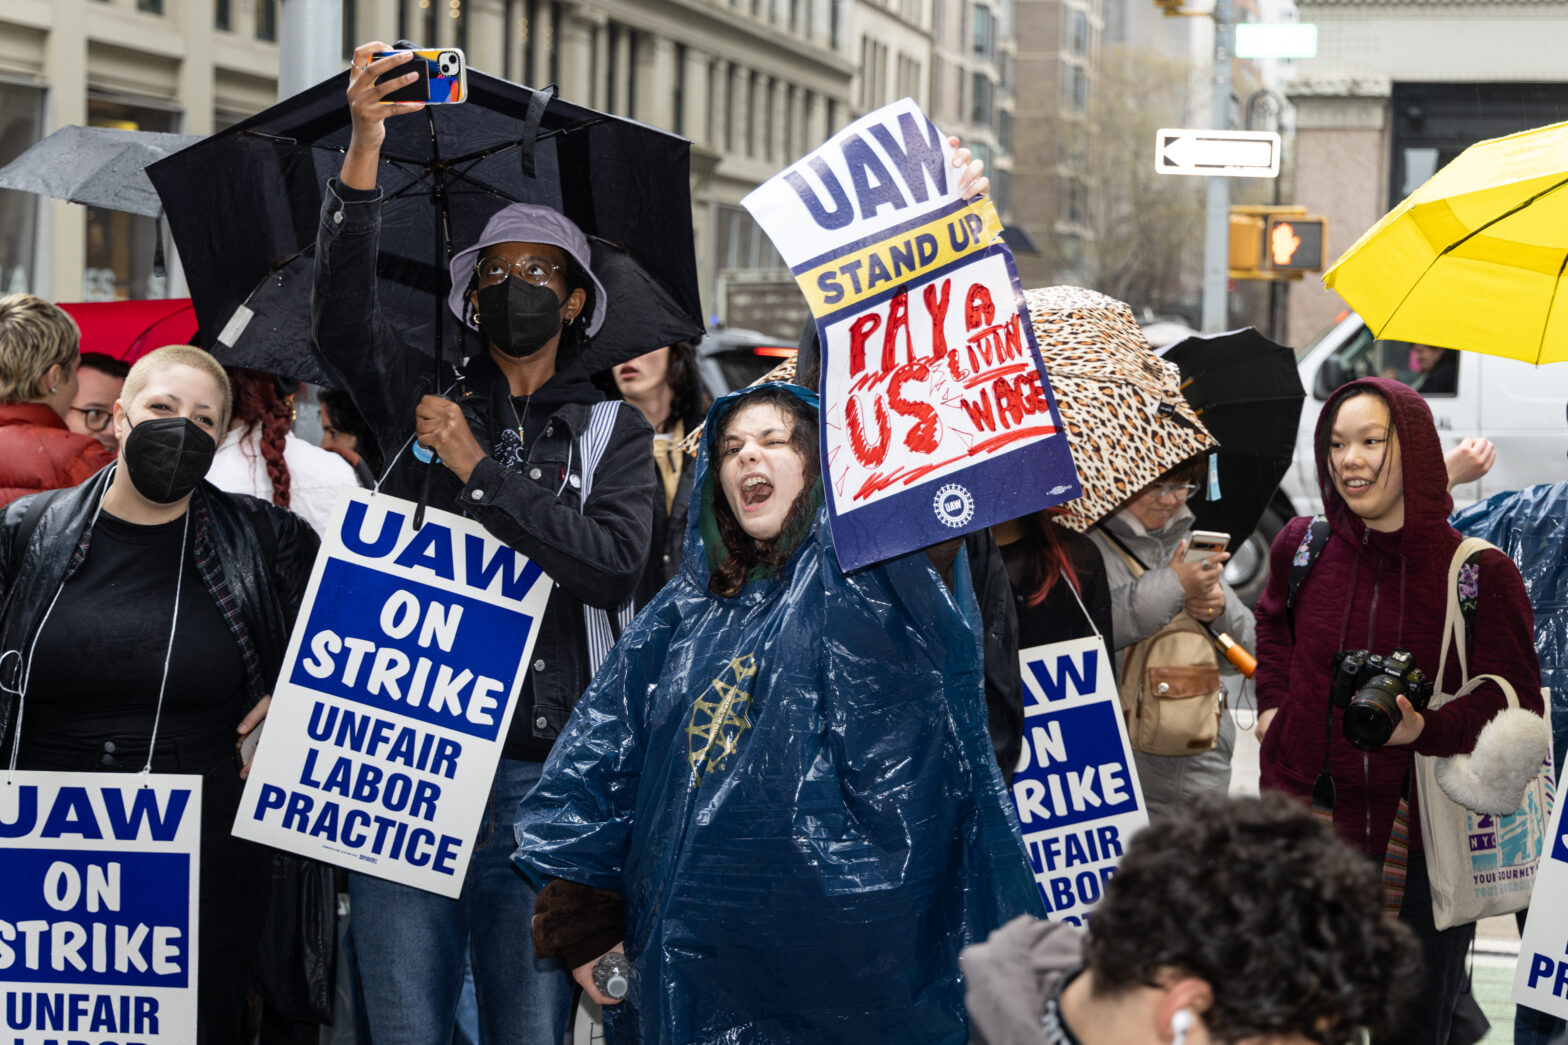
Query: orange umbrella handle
1245	662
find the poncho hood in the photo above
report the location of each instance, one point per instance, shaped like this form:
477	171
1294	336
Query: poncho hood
704	550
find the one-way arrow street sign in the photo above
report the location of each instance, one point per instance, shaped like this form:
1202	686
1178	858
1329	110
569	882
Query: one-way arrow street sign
1225	154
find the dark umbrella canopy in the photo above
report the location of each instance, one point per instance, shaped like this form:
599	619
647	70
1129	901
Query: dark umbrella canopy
96	166
1246	390
244	204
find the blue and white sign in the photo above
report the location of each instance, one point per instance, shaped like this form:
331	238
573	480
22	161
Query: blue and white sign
937	417
98	934
1541	976
1076	790
399	685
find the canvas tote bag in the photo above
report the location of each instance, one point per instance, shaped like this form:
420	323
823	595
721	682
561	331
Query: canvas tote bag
1480	864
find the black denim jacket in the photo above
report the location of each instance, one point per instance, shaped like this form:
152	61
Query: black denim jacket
594	556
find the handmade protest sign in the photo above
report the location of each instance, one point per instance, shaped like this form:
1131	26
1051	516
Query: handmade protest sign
98	934
937	417
395	696
1076	790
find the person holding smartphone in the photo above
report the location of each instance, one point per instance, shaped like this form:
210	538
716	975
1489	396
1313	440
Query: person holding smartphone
508	438
1144	545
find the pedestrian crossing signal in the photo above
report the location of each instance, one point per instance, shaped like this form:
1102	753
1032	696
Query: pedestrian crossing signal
1294	244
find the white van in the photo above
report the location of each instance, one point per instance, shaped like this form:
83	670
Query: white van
1521	408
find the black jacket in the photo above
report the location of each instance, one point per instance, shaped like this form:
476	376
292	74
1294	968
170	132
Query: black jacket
595	556
1004	689
669	535
254	560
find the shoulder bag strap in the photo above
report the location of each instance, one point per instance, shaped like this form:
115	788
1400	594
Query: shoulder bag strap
1456	623
602	630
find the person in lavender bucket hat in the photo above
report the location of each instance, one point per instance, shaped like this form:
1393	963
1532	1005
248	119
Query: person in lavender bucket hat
527	446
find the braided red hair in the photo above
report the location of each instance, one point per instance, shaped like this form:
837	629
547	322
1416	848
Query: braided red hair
256	401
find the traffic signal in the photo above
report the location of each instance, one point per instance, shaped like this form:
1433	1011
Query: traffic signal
1295	244
1246	242
1275	241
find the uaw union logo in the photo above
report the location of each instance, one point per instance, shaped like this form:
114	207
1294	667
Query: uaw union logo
719	717
954	505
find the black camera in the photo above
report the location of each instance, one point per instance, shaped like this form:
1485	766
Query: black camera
1366	685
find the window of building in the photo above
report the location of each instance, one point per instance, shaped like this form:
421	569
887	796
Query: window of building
223	14
612	55
739	242
350	27
832	117
1002	190
1075	87
153	7
982	109
553	31
1070	249
21	127
753	92
984	34
679	101
789	122
120	246
1004	130
267	20
770	101
938	71
633	42
1078	31
731	89
1073	202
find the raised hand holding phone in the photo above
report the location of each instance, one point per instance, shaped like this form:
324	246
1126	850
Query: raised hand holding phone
369	84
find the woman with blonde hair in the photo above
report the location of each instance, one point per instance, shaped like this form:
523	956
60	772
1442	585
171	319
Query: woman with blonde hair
145	616
38	357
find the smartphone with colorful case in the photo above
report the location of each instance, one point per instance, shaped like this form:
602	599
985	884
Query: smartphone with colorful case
443	77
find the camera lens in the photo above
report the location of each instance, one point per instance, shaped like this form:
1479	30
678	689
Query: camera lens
1372	713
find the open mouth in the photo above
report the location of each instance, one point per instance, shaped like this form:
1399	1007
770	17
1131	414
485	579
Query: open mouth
628	372
1357	485
755	491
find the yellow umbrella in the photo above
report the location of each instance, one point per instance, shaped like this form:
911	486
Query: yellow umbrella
1474	258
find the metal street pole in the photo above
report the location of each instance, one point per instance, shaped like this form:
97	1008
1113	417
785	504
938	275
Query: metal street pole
1216	239
310	43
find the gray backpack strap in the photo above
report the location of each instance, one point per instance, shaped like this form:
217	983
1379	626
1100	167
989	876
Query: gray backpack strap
592	444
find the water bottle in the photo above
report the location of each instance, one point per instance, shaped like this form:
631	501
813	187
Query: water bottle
612	974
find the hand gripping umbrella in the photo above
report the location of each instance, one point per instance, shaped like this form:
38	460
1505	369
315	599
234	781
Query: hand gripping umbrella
243	206
1127	421
1245	389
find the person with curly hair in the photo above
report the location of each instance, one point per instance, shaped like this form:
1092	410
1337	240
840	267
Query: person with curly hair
261	456
1233	920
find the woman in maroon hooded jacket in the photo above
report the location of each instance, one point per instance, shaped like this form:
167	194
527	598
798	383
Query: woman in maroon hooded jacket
1380	583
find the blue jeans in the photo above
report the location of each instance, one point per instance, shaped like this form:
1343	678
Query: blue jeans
411	944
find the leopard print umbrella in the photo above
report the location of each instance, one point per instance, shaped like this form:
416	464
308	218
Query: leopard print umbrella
1127	421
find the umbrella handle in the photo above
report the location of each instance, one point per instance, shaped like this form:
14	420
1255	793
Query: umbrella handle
1245	662
424	497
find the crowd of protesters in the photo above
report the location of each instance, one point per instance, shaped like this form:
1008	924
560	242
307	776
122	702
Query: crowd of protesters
172	534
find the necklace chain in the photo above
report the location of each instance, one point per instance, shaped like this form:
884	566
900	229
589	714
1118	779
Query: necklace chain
528	401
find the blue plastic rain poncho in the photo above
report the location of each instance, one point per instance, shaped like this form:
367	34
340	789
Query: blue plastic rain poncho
1531	525
794	792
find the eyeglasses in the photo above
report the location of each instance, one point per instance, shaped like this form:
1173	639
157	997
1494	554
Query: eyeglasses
1176	491
495	269
95	420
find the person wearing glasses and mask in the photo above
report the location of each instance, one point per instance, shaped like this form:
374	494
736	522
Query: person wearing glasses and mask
99	379
145	617
1153	527
38	381
511	435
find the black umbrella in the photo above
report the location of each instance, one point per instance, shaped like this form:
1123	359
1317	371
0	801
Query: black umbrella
243	206
96	166
1245	389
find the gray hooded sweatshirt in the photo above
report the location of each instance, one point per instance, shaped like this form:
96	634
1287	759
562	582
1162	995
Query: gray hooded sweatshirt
1008	978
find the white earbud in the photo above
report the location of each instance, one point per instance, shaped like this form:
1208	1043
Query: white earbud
1181	1023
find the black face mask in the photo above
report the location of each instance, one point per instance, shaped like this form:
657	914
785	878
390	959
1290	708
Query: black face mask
167	457
518	317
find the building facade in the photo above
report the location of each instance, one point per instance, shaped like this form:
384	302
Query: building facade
752	83
1399	88
973	57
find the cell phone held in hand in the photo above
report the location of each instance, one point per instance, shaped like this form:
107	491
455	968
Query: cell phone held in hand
245	746
443	77
1204	543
